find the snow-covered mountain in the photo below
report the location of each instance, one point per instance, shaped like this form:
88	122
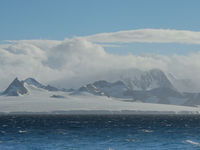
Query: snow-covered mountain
104	88
184	85
142	81
147	80
33	82
162	95
39	100
16	88
159	95
151	86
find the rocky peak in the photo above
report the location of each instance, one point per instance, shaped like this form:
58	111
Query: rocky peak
16	88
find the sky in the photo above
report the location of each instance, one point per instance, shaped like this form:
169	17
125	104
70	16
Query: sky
59	19
70	43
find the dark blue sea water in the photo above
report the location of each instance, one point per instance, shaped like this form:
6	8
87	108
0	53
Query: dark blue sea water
98	132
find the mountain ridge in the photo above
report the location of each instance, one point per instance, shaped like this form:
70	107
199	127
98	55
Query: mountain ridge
151	86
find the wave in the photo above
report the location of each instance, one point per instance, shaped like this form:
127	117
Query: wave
22	131
147	131
192	142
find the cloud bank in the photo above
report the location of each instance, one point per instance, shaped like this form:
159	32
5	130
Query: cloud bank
77	61
148	36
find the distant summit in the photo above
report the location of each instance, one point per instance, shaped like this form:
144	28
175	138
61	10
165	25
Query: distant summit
148	80
33	82
152	86
140	82
16	88
104	88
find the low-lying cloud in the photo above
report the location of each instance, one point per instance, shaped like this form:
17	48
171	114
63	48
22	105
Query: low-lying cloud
148	36
77	61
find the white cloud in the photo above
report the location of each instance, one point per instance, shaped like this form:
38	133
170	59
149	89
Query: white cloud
148	36
76	61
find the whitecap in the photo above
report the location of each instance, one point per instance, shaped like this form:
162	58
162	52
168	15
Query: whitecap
147	131
22	131
192	142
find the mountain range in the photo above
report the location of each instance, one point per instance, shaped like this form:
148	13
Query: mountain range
152	86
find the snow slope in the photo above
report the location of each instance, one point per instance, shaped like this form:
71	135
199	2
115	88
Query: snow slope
92	99
42	102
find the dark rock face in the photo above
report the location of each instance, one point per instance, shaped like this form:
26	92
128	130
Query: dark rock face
57	96
90	88
16	88
50	88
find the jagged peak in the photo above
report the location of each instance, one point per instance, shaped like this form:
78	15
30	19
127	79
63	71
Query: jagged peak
16	88
16	79
17	82
32	81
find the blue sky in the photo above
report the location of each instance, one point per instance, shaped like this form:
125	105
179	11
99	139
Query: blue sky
59	19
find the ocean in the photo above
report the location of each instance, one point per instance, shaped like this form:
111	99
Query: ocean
99	132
